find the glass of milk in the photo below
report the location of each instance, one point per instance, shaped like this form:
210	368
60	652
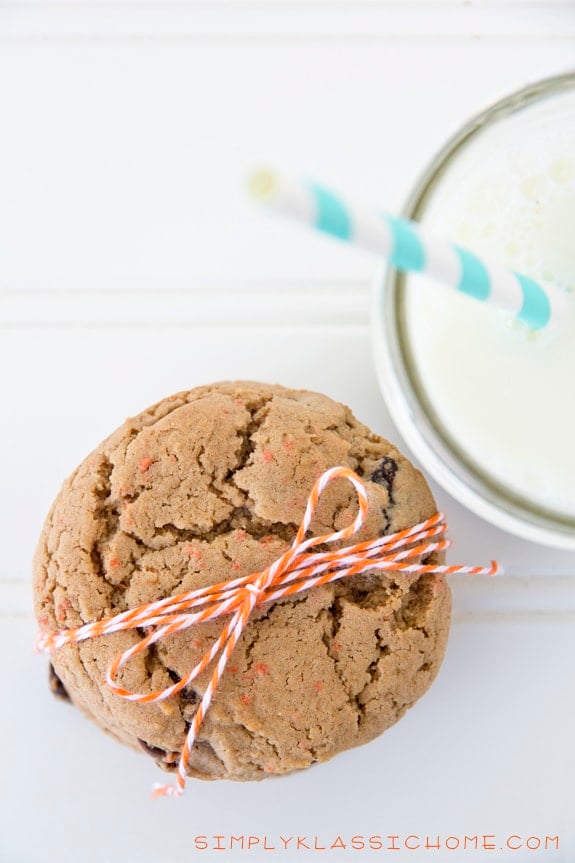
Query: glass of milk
487	405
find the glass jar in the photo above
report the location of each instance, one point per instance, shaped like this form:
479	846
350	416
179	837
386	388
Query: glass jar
487	406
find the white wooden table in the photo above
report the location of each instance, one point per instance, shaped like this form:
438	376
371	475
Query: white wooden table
131	266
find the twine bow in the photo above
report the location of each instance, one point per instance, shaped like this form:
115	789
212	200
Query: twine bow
296	570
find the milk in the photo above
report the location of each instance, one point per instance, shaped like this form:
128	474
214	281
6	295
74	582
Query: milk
502	395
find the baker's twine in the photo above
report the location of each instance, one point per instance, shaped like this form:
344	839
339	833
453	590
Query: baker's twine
296	570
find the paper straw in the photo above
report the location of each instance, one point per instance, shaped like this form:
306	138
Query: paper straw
407	247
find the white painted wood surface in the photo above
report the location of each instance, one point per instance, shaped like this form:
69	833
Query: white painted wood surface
131	266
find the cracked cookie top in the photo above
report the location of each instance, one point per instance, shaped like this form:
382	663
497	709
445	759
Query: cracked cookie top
209	485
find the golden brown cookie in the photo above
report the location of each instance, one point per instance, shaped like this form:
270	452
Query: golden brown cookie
208	485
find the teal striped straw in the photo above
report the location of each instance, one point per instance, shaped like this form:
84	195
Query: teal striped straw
407	247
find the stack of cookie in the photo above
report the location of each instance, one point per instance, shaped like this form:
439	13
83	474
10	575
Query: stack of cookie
209	485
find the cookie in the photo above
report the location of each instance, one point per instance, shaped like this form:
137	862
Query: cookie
209	485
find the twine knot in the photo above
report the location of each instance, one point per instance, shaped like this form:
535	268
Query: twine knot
295	570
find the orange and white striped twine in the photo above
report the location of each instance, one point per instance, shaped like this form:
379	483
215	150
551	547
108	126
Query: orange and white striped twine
296	570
